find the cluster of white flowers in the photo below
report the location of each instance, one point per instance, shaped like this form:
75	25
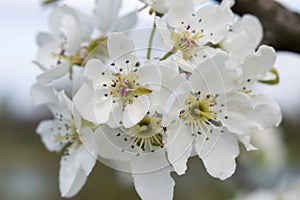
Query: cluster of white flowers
148	116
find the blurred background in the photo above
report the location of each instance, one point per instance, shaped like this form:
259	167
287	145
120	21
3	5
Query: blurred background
29	172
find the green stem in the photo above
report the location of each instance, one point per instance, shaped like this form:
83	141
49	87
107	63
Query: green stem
167	55
151	41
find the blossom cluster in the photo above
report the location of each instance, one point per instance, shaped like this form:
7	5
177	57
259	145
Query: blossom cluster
148	115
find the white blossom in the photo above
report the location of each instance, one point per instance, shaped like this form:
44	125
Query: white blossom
162	6
107	20
214	115
193	29
120	90
61	47
60	134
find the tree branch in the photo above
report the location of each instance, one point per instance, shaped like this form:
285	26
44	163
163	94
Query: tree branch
281	26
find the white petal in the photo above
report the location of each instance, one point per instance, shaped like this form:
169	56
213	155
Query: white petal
238	107
74	171
56	22
164	33
246	114
136	111
65	100
92	72
185	65
220	162
227	3
200	56
53	73
47	55
245	139
172	84
179	146
149	162
103	109
116	115
156	185
105	13
180	11
214	21
213	76
119	46
84	103
42	94
71	31
48	137
260	62
239	44
174	104
150	76
126	22
266	112
102	143
159	6
251	25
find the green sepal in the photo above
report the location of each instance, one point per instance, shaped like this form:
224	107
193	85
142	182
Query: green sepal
273	81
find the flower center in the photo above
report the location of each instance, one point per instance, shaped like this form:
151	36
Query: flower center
185	42
148	132
199	112
145	136
125	87
65	131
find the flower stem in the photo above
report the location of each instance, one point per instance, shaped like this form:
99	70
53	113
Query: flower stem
168	54
151	41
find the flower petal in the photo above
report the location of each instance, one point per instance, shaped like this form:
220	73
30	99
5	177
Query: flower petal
266	112
84	103
119	46
52	74
245	36
47	130
47	55
213	76
259	63
220	162
179	11
42	94
74	170
246	114
150	76
155	185
103	144
250	24
126	22
212	21
92	72
164	33
105	12
71	32
136	111
179	146
103	109
245	139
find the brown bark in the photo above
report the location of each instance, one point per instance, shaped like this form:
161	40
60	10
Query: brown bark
281	26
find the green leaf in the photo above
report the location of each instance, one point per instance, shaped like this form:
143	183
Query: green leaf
273	81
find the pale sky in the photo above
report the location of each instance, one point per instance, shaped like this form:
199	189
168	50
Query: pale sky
20	21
